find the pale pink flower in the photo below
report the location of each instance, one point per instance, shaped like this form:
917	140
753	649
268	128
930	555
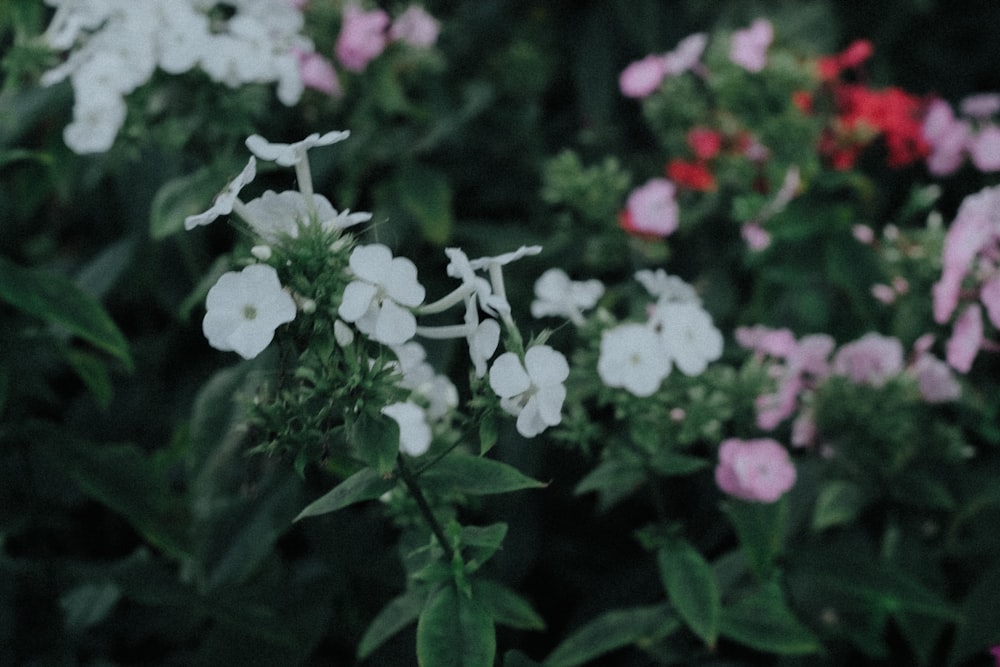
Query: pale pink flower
415	27
779	343
804	429
947	137
863	234
984	149
883	293
652	208
936	382
362	37
317	73
872	359
686	54
774	408
642	77
966	339
756	237
989	294
811	354
754	470
981	105
748	48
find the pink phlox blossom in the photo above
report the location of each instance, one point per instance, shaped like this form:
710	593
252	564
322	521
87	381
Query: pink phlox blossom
415	27
317	73
776	407
873	359
779	343
362	37
754	470
686	55
935	380
756	237
947	137
980	105
966	339
984	148
810	356
652	208
804	429
748	47
642	77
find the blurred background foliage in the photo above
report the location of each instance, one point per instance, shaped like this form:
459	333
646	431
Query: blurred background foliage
133	530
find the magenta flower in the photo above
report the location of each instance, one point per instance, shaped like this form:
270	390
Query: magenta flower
748	47
755	470
415	27
642	78
362	37
966	339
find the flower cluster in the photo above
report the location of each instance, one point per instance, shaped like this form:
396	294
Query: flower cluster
975	135
364	35
116	46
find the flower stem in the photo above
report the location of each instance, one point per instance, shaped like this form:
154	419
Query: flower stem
425	509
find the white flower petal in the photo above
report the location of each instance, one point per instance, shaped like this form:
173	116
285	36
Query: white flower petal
546	367
371	262
508	377
356	301
394	325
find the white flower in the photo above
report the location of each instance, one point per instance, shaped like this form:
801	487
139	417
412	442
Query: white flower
534	391
688	335
633	357
557	295
225	200
460	267
419	377
95	124
275	215
666	287
377	301
244	309
288	155
414	432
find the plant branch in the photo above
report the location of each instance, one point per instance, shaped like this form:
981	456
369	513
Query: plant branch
425	509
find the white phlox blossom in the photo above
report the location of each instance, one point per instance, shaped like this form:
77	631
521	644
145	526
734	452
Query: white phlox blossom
665	287
633	357
115	46
419	376
414	431
532	391
225	200
687	334
557	295
276	215
494	266
295	155
379	299
244	309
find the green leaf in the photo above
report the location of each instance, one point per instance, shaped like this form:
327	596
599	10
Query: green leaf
670	463
838	503
691	588
363	485
425	195
455	631
93	372
377	442
89	604
482	541
763	621
56	299
761	531
473	475
506	607
488	432
395	616
614	630
180	197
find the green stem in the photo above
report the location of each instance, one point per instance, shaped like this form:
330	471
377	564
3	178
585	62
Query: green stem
425	509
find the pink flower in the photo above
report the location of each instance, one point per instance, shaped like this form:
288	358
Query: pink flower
966	339
779	343
984	149
863	234
362	37
757	238
936	382
995	652
748	48
804	429
871	360
946	136
982	105
651	209
755	470
686	54
704	142
415	27
989	294
641	78
317	73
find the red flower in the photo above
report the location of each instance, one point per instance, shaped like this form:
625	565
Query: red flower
803	101
705	142
856	53
691	175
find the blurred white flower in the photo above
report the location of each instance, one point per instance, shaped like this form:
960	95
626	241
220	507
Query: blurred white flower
534	391
378	301
666	287
632	357
274	215
244	309
557	295
414	432
288	155
687	334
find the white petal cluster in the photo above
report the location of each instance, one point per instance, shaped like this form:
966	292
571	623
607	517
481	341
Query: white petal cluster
277	215
244	309
414	431
379	299
116	45
638	356
532	391
558	296
419	376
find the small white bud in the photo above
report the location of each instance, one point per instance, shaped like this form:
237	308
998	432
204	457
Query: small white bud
342	333
261	252
308	306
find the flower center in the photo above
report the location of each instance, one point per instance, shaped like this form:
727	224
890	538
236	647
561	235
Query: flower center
249	312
